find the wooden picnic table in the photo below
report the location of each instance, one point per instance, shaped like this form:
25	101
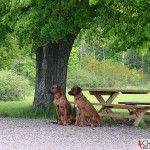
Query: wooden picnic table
137	114
113	93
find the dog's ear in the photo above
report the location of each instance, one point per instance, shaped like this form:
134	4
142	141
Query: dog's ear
79	89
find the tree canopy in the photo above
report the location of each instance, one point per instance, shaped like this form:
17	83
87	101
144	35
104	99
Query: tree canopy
119	24
40	22
122	25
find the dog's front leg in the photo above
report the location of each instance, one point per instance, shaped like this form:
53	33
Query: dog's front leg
58	116
65	118
82	118
77	116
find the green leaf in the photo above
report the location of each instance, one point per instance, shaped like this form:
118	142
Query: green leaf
93	2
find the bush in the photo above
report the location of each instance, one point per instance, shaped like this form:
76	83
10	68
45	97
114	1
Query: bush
13	87
138	77
82	78
104	74
114	74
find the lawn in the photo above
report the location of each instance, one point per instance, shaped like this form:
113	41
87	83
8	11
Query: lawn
24	109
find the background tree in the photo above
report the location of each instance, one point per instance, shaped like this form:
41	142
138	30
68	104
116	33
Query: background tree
50	27
122	25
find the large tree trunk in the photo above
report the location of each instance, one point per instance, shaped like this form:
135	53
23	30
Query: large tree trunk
51	68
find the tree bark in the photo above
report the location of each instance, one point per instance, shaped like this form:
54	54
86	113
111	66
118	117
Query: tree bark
51	68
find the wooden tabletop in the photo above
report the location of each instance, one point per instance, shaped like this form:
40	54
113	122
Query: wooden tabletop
123	91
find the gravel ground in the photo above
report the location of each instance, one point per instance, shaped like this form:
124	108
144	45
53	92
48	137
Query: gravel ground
35	134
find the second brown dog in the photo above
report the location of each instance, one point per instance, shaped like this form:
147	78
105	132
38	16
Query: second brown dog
84	108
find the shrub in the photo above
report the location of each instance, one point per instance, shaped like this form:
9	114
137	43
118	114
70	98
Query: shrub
138	77
82	78
114	74
13	87
104	74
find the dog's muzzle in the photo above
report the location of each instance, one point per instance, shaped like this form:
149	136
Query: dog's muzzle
49	92
70	93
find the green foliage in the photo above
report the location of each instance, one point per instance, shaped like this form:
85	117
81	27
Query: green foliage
134	60
3	28
8	52
147	63
13	87
40	22
73	63
26	68
138	77
130	58
82	78
117	25
5	58
93	2
120	25
17	59
105	74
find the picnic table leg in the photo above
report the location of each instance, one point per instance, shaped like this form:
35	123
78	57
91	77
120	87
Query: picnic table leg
101	100
109	101
138	119
112	97
131	112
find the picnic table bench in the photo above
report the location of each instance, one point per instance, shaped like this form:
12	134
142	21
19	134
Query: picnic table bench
136	103
136	112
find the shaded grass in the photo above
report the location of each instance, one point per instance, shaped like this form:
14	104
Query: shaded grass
24	109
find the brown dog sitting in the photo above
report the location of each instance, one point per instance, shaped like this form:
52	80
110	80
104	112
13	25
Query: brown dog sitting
84	108
62	106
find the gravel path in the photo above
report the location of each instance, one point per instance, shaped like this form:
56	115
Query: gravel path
35	134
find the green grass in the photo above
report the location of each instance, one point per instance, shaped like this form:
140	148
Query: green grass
24	109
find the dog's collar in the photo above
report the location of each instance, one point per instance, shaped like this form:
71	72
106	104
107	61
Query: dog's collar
58	95
79	97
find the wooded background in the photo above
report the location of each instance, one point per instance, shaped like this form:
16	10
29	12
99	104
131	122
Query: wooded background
109	42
